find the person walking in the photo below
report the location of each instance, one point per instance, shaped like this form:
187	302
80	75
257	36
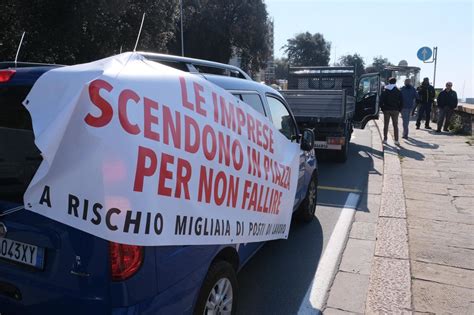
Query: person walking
391	105
447	103
427	94
409	95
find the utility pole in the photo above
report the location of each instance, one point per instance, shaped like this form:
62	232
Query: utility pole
182	41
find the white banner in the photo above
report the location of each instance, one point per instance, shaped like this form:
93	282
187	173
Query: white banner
139	153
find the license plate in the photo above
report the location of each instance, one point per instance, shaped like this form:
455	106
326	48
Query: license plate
325	145
320	145
21	252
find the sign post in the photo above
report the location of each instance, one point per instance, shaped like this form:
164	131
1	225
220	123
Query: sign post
424	54
435	58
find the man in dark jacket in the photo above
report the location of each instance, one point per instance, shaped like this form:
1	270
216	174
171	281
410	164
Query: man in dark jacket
426	93
409	95
391	104
447	103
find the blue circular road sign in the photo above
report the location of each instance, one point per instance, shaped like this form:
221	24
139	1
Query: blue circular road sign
424	53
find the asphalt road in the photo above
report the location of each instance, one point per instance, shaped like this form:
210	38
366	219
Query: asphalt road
276	279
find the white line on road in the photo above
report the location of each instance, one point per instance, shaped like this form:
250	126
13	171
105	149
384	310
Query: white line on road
316	295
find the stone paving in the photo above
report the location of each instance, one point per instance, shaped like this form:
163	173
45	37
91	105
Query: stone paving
438	179
412	249
389	288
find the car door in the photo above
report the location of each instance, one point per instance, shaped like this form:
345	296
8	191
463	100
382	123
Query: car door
367	99
285	123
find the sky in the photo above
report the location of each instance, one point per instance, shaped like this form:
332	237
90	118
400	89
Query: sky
395	29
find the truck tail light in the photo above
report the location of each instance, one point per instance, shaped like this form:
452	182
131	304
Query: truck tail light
336	140
125	260
6	75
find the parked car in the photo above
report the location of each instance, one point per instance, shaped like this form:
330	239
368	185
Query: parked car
75	272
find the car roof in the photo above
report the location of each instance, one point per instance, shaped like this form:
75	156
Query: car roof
236	84
31	71
197	65
21	64
26	75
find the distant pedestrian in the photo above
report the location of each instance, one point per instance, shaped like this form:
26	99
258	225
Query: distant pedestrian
447	103
391	105
409	96
427	94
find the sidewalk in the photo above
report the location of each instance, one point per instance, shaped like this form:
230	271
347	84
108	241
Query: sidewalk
438	180
438	184
417	254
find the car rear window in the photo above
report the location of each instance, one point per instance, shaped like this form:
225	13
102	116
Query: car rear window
12	113
253	99
19	157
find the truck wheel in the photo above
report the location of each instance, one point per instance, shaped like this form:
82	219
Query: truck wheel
218	293
308	206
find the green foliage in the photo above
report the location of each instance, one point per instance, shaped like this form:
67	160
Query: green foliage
378	65
281	68
355	61
456	124
214	28
83	30
76	31
307	49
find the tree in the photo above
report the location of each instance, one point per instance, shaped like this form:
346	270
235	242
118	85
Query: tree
214	29
307	49
78	31
355	61
281	68
378	64
84	30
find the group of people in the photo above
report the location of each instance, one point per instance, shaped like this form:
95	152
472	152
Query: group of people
394	101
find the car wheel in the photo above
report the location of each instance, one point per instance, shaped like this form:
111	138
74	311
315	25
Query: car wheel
218	293
308	206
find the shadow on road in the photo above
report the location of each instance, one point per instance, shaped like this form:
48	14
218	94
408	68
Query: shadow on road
283	269
276	279
352	175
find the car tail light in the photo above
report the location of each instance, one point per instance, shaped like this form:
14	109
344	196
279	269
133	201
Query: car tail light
336	140
125	260
6	75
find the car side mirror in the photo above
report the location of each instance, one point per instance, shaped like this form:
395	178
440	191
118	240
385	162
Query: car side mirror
307	140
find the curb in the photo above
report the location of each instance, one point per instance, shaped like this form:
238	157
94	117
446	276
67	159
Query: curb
350	281
390	277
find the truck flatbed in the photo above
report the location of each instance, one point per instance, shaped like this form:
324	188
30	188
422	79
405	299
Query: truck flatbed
325	105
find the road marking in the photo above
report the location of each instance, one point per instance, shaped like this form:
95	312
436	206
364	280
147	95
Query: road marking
352	190
327	204
317	293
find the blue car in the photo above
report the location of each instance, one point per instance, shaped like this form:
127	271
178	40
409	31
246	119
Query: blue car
50	268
